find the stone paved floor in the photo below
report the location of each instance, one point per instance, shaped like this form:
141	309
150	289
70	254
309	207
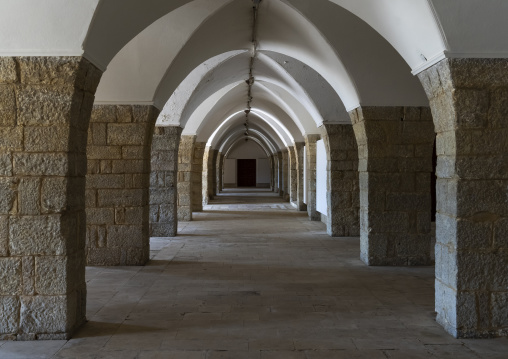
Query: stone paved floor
252	278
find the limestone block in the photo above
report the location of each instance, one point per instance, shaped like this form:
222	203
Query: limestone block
28	267
103	256
163	230
98	134
48	164
126	134
125	236
106	166
499	303
474	234
43	314
51	275
44	106
479	196
10	276
499	272
388	222
134	152
467	318
103	113
9	320
90	198
11	139
100	215
8	72
7	194
135	215
104	181
154	213
28	196
446	307
7	106
37	235
58	71
4	236
501	233
130	166
124	114
104	152
166	213
408	202
54	197
498	112
48	138
121	197
5	164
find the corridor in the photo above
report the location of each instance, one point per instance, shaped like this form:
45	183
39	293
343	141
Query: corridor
250	277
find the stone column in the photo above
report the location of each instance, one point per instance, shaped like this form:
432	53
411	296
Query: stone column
280	181
275	172
310	145
342	192
469	102
292	177
208	176
395	150
185	161
219	172
197	176
285	173
45	105
118	184
163	182
299	154
214	181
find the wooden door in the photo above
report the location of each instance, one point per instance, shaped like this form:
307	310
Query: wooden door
246	173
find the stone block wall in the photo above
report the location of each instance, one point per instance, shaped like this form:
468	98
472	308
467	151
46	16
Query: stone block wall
469	102
163	182
293	176
219	172
197	176
285	175
343	197
280	181
395	147
117	184
45	105
209	175
185	160
310	145
299	155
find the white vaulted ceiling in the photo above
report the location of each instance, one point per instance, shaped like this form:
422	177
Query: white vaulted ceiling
315	60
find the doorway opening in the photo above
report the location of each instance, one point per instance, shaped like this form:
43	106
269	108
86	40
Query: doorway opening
246	172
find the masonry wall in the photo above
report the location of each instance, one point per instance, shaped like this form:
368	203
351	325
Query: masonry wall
117	184
45	105
163	182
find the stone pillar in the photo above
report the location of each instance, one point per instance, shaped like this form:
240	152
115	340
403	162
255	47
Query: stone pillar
197	177
219	172
292	177
45	105
275	172
299	153
185	160
214	182
285	173
310	145
118	184
469	100
280	179
395	162
342	192
163	182
208	176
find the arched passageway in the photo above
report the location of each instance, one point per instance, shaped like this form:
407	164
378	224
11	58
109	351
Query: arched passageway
118	119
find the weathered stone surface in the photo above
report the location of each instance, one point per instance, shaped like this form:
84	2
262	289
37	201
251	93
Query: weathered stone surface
7	106
10	276
41	235
41	314
47	164
7	194
126	134
29	196
9	320
8	72
28	267
467	101
47	139
51	275
11	139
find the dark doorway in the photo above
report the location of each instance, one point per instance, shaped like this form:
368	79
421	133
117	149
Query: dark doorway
246	173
